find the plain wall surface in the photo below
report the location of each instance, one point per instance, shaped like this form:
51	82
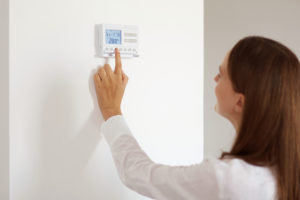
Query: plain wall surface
57	151
226	22
4	131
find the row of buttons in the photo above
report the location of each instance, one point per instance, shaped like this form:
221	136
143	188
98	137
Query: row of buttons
121	49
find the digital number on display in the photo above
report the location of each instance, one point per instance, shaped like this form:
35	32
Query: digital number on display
113	36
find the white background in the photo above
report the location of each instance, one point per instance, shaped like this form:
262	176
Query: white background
56	149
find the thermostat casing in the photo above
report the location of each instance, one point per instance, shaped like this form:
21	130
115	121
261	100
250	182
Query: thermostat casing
123	37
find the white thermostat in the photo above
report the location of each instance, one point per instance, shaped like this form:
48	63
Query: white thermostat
123	37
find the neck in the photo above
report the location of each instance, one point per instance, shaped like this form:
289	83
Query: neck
236	122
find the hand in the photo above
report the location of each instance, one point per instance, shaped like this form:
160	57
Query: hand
110	87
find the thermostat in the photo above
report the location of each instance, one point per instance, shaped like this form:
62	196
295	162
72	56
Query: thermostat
123	37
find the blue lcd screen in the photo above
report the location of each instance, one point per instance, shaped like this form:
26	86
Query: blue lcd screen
113	36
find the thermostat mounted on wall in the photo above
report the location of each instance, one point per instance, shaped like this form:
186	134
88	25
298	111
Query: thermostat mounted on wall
123	37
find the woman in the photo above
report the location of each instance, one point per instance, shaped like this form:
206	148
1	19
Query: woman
258	91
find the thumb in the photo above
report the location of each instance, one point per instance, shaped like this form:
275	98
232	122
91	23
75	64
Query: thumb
124	78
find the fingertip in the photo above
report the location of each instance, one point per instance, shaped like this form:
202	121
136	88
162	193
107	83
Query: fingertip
96	77
99	69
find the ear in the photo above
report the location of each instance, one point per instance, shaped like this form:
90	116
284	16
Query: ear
239	104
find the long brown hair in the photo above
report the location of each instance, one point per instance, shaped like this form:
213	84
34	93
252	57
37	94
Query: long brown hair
268	74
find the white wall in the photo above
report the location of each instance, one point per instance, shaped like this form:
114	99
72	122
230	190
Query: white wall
4	132
56	149
225	23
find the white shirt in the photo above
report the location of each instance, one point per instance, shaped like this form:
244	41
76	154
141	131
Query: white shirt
213	178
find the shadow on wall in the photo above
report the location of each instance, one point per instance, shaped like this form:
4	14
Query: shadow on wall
65	151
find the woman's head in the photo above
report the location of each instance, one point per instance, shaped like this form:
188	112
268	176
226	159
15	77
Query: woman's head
265	78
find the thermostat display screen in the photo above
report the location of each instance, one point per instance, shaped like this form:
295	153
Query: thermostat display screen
113	36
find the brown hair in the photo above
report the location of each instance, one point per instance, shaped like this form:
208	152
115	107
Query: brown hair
268	74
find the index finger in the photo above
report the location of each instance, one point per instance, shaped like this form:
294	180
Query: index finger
118	67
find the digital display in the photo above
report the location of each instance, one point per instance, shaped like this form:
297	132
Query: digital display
113	36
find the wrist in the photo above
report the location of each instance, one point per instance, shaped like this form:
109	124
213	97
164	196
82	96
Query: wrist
109	113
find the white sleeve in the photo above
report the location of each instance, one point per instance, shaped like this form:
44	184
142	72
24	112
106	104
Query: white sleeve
138	172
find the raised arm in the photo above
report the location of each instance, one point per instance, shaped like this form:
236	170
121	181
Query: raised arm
138	172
